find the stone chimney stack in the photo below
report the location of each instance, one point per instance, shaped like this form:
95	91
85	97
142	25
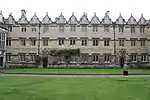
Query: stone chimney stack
108	13
23	13
1	17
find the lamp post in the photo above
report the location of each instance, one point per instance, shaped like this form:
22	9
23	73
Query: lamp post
38	58
114	26
39	39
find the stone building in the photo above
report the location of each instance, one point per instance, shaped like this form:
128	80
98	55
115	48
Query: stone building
3	34
98	40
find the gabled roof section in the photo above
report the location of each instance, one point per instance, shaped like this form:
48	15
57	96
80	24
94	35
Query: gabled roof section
95	20
131	20
46	19
10	20
84	19
106	19
34	20
142	20
23	19
61	19
120	20
73	19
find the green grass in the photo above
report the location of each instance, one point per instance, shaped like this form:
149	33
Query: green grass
76	71
29	88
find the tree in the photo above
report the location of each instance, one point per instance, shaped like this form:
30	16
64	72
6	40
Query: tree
66	53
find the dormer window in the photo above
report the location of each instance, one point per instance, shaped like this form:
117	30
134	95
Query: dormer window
10	28
33	29
61	28
132	29
106	28
84	28
73	28
121	28
23	29
45	28
95	28
142	29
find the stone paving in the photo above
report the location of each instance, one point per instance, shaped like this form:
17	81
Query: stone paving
73	76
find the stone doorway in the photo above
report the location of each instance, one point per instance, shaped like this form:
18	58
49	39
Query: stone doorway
1	61
45	62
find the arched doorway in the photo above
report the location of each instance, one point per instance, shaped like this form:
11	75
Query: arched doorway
45	54
45	62
1	61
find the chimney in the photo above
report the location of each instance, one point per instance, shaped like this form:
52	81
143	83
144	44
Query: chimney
23	13
107	13
1	17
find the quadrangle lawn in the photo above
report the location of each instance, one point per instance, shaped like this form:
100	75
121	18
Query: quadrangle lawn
75	71
29	88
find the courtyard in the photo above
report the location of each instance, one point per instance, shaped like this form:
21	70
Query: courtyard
37	88
45	71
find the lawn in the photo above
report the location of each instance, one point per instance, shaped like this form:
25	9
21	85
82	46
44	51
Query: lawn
29	88
75	71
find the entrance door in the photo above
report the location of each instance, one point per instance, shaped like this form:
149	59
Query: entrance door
121	62
1	61
45	62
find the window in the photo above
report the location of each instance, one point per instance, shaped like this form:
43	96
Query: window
23	29
8	57
22	57
23	42
61	42
61	28
95	42
106	58
134	58
33	42
10	28
84	58
84	42
95	57
106	42
45	42
95	28
121	28
106	28
45	28
33	29
8	42
0	44
133	42
143	58
72	42
121	42
142	29
132	29
73	28
32	56
142	42
84	28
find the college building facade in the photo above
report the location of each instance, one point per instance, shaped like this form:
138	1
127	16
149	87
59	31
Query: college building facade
99	41
3	35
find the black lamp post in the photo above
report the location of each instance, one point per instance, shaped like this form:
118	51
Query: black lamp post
38	58
114	26
39	39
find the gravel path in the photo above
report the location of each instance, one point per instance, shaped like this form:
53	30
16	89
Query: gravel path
73	76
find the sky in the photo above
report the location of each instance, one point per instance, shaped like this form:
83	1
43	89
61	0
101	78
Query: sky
55	7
